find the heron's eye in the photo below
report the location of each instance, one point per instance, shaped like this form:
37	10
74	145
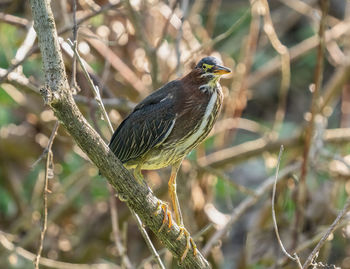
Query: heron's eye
206	67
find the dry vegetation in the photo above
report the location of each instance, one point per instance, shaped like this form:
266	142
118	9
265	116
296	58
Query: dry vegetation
290	87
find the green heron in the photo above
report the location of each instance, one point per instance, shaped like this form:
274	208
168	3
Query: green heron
168	124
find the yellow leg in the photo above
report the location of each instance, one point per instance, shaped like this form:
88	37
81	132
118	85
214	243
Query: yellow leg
177	210
176	205
173	195
138	175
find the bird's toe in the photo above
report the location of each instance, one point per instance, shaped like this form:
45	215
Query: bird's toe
189	242
163	207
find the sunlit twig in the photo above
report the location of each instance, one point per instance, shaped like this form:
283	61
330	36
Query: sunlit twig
147	240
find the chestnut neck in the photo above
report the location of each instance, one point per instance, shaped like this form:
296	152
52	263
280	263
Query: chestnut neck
197	79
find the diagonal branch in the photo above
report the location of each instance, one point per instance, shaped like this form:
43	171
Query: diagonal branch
56	93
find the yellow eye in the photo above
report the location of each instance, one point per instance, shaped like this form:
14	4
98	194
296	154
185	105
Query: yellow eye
206	67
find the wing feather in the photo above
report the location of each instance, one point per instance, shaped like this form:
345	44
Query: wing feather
147	126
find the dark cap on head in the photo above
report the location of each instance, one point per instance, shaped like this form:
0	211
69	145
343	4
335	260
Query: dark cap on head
209	60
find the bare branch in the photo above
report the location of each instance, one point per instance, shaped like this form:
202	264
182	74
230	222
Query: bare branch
58	96
48	171
73	83
301	192
295	258
8	18
274	65
95	89
148	240
285	67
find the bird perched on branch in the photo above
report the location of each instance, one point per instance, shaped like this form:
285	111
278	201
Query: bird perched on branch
168	124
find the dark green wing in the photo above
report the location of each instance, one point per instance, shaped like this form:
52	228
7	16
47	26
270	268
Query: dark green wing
148	125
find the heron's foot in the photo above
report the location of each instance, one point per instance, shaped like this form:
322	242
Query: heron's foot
167	215
189	242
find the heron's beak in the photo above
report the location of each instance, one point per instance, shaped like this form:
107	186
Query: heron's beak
221	70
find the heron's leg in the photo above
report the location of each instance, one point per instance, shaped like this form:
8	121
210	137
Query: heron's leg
173	195
137	174
177	210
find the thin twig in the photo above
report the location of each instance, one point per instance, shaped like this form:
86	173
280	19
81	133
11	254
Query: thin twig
285	68
237	99
166	25
220	37
115	228
331	228
306	9
184	8
213	13
333	87
113	206
26	45
295	258
94	88
162	251
143	39
147	239
105	75
10	19
107	53
47	149
301	191
73	83
48	171
303	47
116	103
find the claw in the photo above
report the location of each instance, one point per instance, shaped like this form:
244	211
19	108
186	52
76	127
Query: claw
189	242
167	215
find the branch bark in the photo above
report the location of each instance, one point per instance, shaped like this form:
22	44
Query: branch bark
56	93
